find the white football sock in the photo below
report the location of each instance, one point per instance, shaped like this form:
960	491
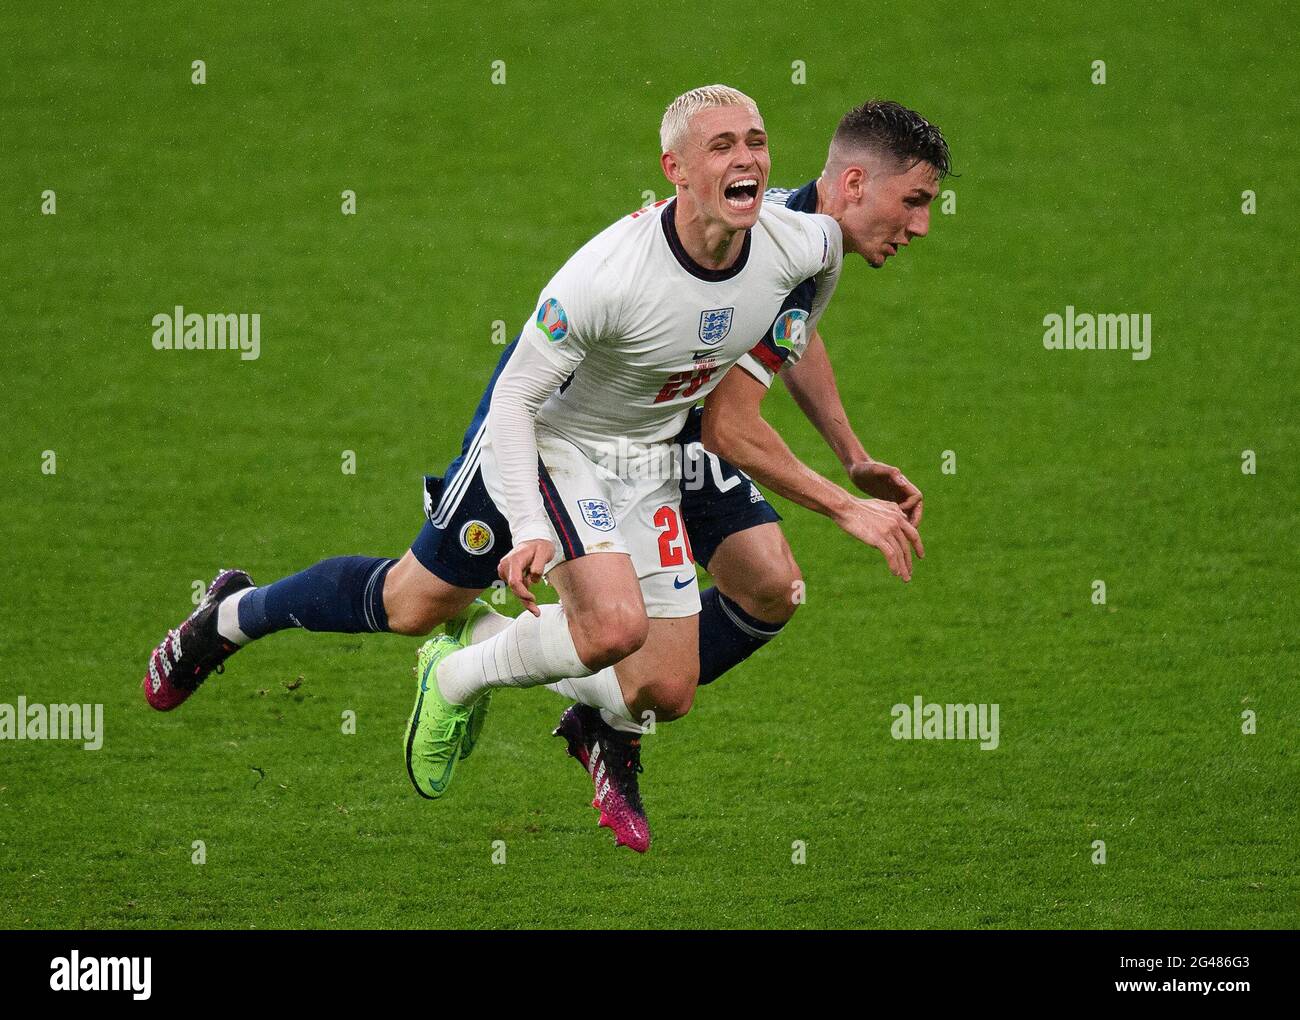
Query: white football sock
488	625
621	723
599	690
528	652
228	618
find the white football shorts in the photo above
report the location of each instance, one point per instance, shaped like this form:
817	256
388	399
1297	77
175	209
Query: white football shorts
635	509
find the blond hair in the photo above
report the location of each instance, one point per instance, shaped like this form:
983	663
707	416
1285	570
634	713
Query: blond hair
677	118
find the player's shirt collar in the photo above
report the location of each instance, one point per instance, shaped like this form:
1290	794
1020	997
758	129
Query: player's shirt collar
669	221
805	199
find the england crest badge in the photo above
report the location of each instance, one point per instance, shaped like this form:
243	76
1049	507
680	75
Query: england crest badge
715	324
597	513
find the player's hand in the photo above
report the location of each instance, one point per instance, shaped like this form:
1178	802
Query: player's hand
883	524
886	482
522	566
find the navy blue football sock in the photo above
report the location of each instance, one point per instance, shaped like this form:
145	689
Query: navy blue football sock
728	634
344	594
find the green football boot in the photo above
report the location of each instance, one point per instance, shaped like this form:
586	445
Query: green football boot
437	729
461	627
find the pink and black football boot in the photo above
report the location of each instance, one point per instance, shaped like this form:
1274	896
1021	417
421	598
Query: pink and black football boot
194	649
613	760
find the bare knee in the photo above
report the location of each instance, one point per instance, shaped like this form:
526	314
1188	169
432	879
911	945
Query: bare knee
775	592
416	601
666	699
757	570
413	620
413	617
610	635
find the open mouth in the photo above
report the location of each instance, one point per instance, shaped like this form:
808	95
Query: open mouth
742	194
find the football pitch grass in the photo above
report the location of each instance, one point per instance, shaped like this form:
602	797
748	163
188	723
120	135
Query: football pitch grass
1120	723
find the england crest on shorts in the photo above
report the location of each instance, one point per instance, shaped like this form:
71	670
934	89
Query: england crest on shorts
597	513
715	324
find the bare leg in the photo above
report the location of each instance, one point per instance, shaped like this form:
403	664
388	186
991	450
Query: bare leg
756	569
417	601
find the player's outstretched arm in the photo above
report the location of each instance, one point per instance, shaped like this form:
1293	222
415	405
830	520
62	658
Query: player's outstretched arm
734	429
811	381
525	383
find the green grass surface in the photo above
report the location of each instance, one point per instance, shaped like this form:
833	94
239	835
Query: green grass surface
1119	722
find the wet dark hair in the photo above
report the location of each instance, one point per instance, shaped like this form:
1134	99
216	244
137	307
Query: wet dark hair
893	130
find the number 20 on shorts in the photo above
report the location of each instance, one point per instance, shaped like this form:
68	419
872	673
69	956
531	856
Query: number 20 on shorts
674	544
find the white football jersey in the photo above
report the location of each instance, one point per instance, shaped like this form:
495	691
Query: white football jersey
647	332
773	351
